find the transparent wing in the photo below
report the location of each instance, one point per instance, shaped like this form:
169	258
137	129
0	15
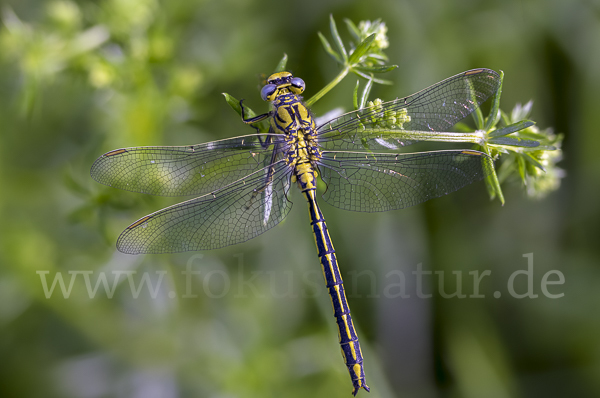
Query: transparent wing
436	108
231	215
186	170
381	182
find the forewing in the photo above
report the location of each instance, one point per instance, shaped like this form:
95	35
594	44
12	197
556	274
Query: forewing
185	170
234	214
381	182
434	109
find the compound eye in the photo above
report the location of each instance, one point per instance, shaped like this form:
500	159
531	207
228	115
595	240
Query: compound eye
297	85
267	92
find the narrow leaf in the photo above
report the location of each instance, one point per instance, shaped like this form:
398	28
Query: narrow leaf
538	136
521	111
352	29
329	49
378	57
492	182
248	113
376	69
235	105
521	168
543	148
365	94
477	115
281	65
337	39
534	162
375	80
355	95
507	167
511	128
513	141
494	116
361	49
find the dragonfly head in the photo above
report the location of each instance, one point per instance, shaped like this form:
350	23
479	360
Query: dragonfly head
281	83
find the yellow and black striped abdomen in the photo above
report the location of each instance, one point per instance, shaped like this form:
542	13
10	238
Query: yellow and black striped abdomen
341	311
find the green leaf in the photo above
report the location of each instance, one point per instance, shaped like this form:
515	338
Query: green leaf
235	105
521	167
337	39
520	112
511	128
538	136
368	77
355	95
352	29
494	116
376	69
262	126
534	162
546	148
507	167
365	94
281	65
491	180
513	141
477	115
380	58
329	49
361	49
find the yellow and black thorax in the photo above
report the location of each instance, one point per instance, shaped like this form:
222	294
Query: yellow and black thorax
291	118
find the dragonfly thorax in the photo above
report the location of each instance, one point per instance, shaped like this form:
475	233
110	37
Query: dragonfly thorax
297	124
291	118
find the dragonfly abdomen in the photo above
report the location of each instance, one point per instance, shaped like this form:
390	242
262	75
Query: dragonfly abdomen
341	311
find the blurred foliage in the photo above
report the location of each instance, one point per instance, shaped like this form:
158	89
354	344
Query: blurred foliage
79	78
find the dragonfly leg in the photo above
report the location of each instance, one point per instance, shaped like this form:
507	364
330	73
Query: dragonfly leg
254	119
265	144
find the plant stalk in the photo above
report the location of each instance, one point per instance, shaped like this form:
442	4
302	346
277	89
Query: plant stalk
328	87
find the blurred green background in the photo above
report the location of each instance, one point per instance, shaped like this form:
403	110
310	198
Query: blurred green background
79	78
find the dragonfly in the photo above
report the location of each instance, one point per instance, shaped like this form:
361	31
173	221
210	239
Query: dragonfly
241	184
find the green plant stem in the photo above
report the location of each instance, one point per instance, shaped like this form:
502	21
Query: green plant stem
494	178
329	86
410	135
